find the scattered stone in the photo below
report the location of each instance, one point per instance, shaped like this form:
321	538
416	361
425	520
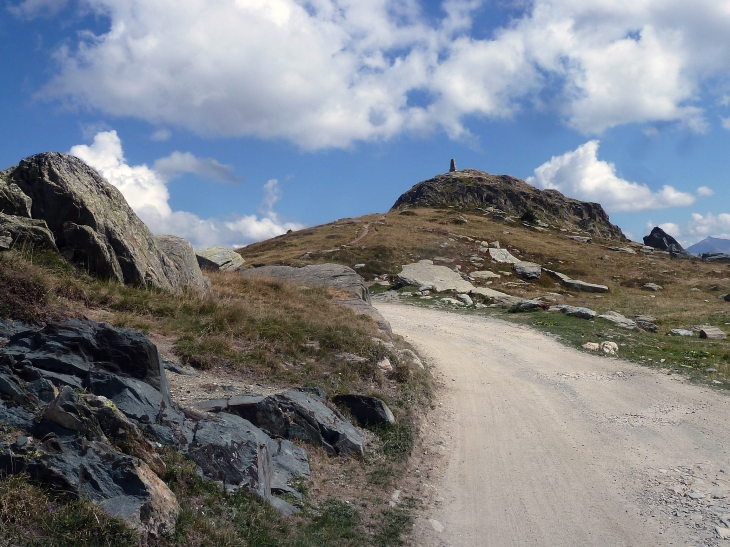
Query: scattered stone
436	525
695	495
575	311
529	305
627	250
575	284
723	533
652	287
486	274
681	332
184	270
452	301
220	258
385	365
580	239
358	266
439	278
718	494
502	256
443	259
527	270
366	410
618	320
712	333
465	299
646	322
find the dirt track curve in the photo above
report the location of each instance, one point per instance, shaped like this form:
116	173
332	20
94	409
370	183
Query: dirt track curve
537	444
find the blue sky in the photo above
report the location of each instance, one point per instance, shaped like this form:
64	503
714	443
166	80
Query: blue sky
229	121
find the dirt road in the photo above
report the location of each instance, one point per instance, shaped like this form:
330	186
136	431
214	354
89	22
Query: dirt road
536	444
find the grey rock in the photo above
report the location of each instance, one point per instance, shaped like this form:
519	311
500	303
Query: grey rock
682	332
695	495
90	220
528	305
712	333
503	256
646	322
19	232
297	415
618	320
485	274
715	257
496	297
575	311
580	239
13	202
652	287
627	250
366	410
182	269
466	299
575	284
527	270
219	258
328	275
439	278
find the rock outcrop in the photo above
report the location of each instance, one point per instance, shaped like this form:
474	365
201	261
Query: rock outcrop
575	284
16	232
219	258
327	275
437	278
471	188
183	269
82	404
91	222
366	410
661	240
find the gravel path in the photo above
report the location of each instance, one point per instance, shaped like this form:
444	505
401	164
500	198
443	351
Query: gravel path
536	444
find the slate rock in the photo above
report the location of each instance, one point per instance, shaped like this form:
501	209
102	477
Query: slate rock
297	415
366	410
575	284
682	332
503	256
529	305
183	269
219	258
91	221
498	298
328	275
13	201
646	322
485	274
18	232
527	270
122	485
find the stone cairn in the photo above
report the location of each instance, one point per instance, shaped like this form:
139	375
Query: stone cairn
452	167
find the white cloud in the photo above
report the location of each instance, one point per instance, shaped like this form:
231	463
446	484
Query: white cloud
725	122
161	135
580	174
327	73
29	9
145	189
697	228
705	191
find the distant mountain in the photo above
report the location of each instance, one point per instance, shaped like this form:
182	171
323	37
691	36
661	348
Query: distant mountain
710	245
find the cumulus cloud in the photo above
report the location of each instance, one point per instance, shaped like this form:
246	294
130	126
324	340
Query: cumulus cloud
697	228
328	73
580	174
705	191
145	189
725	122
29	9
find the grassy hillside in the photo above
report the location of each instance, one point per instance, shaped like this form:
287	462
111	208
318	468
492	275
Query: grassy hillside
260	332
691	293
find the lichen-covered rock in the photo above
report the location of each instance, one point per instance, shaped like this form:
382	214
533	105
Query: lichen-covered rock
183	270
91	221
12	199
219	258
16	232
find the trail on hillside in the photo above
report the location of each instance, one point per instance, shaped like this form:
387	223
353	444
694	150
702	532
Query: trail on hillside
536	444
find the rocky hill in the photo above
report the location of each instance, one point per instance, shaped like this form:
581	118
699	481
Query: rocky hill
510	196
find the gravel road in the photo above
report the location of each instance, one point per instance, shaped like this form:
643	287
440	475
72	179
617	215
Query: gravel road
536	444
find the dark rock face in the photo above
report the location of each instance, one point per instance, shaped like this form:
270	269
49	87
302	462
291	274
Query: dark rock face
97	444
366	410
472	188
661	240
294	415
327	275
12	199
92	224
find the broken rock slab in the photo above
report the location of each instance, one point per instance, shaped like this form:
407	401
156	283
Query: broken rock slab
646	322
438	278
618	320
502	256
575	311
681	332
712	333
652	287
219	258
575	284
484	274
527	270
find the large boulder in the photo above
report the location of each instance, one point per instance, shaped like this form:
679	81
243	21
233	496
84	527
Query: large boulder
527	270
91	221
12	199
366	410
219	258
183	269
661	240
715	257
435	278
327	275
